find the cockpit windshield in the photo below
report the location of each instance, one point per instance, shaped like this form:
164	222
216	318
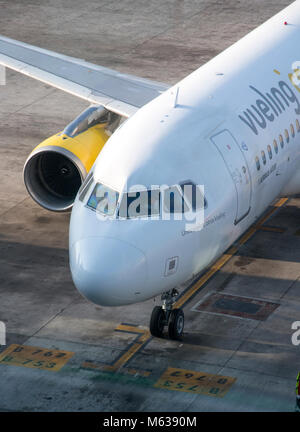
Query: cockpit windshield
85	186
103	199
153	203
88	118
140	204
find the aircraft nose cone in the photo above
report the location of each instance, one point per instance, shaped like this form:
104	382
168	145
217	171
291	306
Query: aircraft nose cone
107	271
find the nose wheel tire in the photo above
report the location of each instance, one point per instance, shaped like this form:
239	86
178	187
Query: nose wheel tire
157	321
176	324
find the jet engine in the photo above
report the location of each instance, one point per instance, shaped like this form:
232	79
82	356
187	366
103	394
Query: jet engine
57	167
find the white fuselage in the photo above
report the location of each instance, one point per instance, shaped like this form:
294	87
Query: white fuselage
209	128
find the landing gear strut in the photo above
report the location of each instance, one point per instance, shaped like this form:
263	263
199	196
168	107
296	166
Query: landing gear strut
166	315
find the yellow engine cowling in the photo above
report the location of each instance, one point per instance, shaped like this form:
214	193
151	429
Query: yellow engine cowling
57	167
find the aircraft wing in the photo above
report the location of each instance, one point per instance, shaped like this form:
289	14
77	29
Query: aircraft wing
121	93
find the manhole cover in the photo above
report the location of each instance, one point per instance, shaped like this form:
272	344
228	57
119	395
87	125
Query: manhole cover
243	307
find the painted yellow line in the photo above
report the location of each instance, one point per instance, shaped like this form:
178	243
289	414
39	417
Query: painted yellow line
143	337
272	229
91	365
195	382
107	368
129	329
220	263
133	349
226	257
280	202
125	358
35	357
139	372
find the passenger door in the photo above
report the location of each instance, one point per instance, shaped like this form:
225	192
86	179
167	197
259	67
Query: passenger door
237	166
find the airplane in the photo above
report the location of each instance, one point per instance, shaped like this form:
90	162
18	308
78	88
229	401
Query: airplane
231	127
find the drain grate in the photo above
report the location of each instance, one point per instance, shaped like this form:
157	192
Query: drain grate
243	307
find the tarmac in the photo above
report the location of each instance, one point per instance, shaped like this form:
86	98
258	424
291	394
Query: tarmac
65	354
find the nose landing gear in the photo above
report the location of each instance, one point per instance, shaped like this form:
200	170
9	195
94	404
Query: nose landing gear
166	315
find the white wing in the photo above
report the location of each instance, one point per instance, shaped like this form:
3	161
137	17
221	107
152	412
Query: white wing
117	92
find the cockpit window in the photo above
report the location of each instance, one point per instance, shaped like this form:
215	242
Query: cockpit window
103	199
173	201
88	118
140	204
193	195
85	186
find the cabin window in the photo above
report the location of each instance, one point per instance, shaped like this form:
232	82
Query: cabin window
263	156
292	130
275	145
287	137
281	141
257	163
103	199
298	125
270	152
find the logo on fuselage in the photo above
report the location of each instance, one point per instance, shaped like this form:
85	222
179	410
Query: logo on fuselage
269	106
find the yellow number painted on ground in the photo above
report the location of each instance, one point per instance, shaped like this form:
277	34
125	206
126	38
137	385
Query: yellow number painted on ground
35	357
195	382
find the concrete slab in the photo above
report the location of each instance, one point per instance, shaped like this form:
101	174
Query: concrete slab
251	392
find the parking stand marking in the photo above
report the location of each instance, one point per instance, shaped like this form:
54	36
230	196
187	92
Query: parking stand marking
142	338
35	357
195	382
